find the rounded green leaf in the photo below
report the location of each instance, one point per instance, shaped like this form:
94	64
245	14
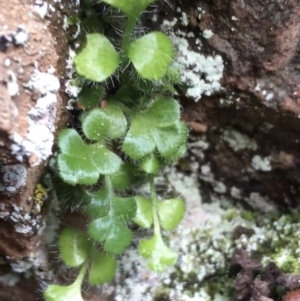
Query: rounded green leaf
105	123
162	112
99	204
69	141
106	161
63	293
159	256
124	208
169	139
74	163
74	248
151	55
110	230
95	125
151	164
171	212
74	172
179	154
143	215
138	141
82	164
98	60
131	8
103	269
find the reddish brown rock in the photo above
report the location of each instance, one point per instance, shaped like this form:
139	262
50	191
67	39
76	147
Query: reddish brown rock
259	104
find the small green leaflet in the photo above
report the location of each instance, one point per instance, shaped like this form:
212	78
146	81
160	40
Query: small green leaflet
159	256
152	55
127	176
171	213
79	163
157	127
111	229
108	123
74	248
103	268
143	216
98	60
63	293
98	204
151	164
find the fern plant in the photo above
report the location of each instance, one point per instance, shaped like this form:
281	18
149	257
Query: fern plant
133	135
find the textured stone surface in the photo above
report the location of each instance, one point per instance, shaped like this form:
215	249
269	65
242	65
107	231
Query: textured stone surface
33	51
259	41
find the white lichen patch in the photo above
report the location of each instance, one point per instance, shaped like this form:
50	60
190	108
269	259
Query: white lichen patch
261	163
23	222
71	89
12	177
36	146
261	203
207	34
238	141
21	36
12	84
41	8
200	74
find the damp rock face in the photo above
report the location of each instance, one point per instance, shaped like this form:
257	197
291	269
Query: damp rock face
251	125
240	63
32	63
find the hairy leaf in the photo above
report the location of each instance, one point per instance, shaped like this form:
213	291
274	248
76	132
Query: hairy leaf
124	208
115	235
91	98
127	176
159	256
111	229
74	248
98	60
103	268
63	293
80	163
151	164
157	126
162	112
143	216
99	204
171	213
108	123
151	55
169	139
138	141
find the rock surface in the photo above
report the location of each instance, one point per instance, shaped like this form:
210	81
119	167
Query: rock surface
252	125
33	52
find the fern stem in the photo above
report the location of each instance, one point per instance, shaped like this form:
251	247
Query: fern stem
127	34
109	186
154	201
81	274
